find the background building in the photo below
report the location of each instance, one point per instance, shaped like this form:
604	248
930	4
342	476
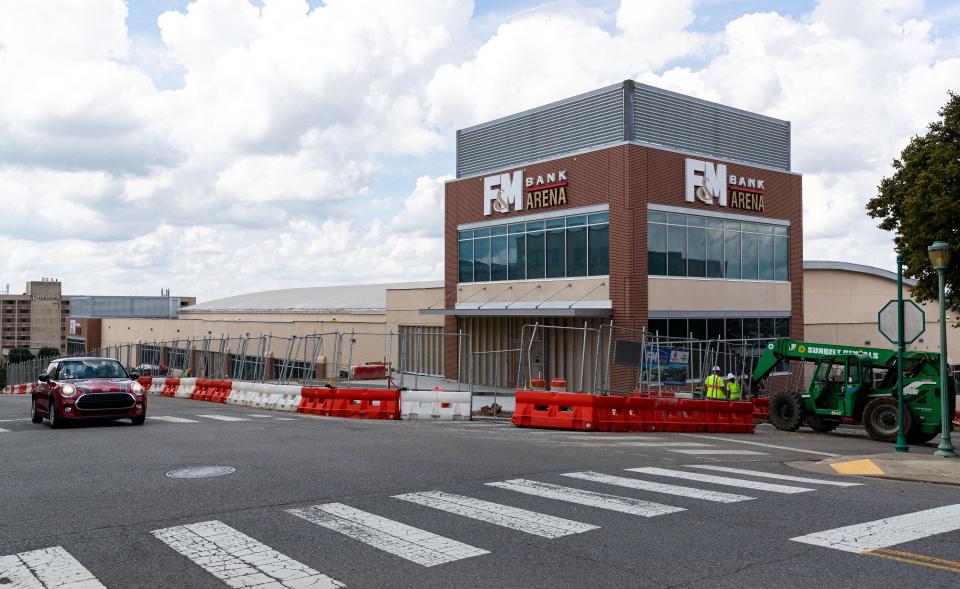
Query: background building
631	206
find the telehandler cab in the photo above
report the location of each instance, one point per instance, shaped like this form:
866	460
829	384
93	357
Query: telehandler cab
856	385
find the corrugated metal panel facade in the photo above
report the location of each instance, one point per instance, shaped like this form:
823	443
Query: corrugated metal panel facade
625	112
582	122
687	124
136	307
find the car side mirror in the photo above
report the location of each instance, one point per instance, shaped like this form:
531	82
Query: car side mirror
134	375
44	378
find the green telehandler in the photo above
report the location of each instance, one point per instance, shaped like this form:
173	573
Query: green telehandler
856	385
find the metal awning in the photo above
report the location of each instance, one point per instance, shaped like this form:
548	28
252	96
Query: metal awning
527	309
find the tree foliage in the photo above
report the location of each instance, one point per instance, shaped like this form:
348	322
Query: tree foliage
920	203
48	352
18	355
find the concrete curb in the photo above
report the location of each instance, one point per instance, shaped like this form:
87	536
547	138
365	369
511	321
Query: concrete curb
915	468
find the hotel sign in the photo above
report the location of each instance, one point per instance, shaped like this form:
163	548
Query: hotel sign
512	191
709	183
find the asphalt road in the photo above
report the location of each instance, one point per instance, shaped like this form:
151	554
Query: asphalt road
100	493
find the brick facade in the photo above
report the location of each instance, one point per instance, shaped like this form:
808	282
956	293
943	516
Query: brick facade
627	177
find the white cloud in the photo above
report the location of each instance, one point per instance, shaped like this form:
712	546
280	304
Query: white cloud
256	145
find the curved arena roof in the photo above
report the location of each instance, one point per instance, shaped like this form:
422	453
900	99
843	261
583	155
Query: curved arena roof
347	298
851	267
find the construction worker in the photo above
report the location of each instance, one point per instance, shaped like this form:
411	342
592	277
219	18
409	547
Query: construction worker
733	387
714	385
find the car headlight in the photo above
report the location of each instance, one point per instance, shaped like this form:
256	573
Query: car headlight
136	388
68	390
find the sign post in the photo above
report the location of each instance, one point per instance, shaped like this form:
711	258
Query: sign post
910	323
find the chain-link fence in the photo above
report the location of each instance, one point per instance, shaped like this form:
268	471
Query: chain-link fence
412	358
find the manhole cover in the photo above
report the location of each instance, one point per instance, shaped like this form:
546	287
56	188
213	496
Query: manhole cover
200	472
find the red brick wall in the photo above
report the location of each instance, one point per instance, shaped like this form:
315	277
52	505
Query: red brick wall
625	177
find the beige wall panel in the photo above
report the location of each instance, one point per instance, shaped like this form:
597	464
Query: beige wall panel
403	306
692	294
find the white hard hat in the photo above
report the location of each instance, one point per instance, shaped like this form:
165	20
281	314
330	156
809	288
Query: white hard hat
716	369
730	376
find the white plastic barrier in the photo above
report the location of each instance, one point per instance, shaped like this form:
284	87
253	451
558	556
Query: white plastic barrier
29	388
156	386
265	396
437	405
240	393
187	387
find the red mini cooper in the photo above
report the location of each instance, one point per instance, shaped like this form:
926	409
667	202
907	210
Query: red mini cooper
87	388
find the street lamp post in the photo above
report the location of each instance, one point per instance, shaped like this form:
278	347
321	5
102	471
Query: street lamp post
939	254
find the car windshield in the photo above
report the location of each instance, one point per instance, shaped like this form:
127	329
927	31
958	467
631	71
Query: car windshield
80	369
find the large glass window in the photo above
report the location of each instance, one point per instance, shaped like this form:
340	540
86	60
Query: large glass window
698	246
656	249
556	248
731	328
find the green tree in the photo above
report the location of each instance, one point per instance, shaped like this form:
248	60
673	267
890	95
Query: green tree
18	355
920	203
48	353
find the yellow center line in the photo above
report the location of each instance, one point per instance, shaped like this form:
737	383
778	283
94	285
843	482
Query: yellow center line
920	556
916	562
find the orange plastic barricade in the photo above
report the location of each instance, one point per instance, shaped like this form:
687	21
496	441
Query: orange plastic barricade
369	371
572	411
316	400
145	382
220	390
170	387
366	404
23	389
761	408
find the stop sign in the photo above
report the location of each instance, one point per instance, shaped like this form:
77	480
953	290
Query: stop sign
913	321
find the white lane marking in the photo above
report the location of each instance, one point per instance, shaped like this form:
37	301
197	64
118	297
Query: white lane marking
531	522
666	444
237	559
224	417
770	475
624	438
717	480
3	430
257	415
413	544
48	568
887	532
171	419
589	498
286	419
719	439
666	489
19	419
731	452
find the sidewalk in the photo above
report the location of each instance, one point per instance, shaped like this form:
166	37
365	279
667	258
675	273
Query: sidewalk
921	468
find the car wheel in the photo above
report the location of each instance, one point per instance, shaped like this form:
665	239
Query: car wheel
34	416
56	421
138	420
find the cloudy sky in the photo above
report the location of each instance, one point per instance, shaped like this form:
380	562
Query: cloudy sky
224	146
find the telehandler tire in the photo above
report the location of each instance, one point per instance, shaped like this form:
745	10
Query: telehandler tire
880	419
786	410
818	424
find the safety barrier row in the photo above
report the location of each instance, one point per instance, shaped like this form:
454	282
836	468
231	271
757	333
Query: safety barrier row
576	411
265	396
18	389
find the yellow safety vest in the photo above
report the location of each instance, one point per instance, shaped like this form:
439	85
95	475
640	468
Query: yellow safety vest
714	384
733	390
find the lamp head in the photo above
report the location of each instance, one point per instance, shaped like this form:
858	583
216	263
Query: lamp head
939	254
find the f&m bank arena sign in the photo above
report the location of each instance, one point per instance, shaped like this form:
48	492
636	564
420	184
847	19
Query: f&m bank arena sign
503	193
709	183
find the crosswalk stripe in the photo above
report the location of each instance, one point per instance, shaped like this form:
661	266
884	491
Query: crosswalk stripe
889	531
52	568
771	475
522	520
237	559
621	438
666	444
642	485
589	498
224	417
171	419
413	544
718	480
733	452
